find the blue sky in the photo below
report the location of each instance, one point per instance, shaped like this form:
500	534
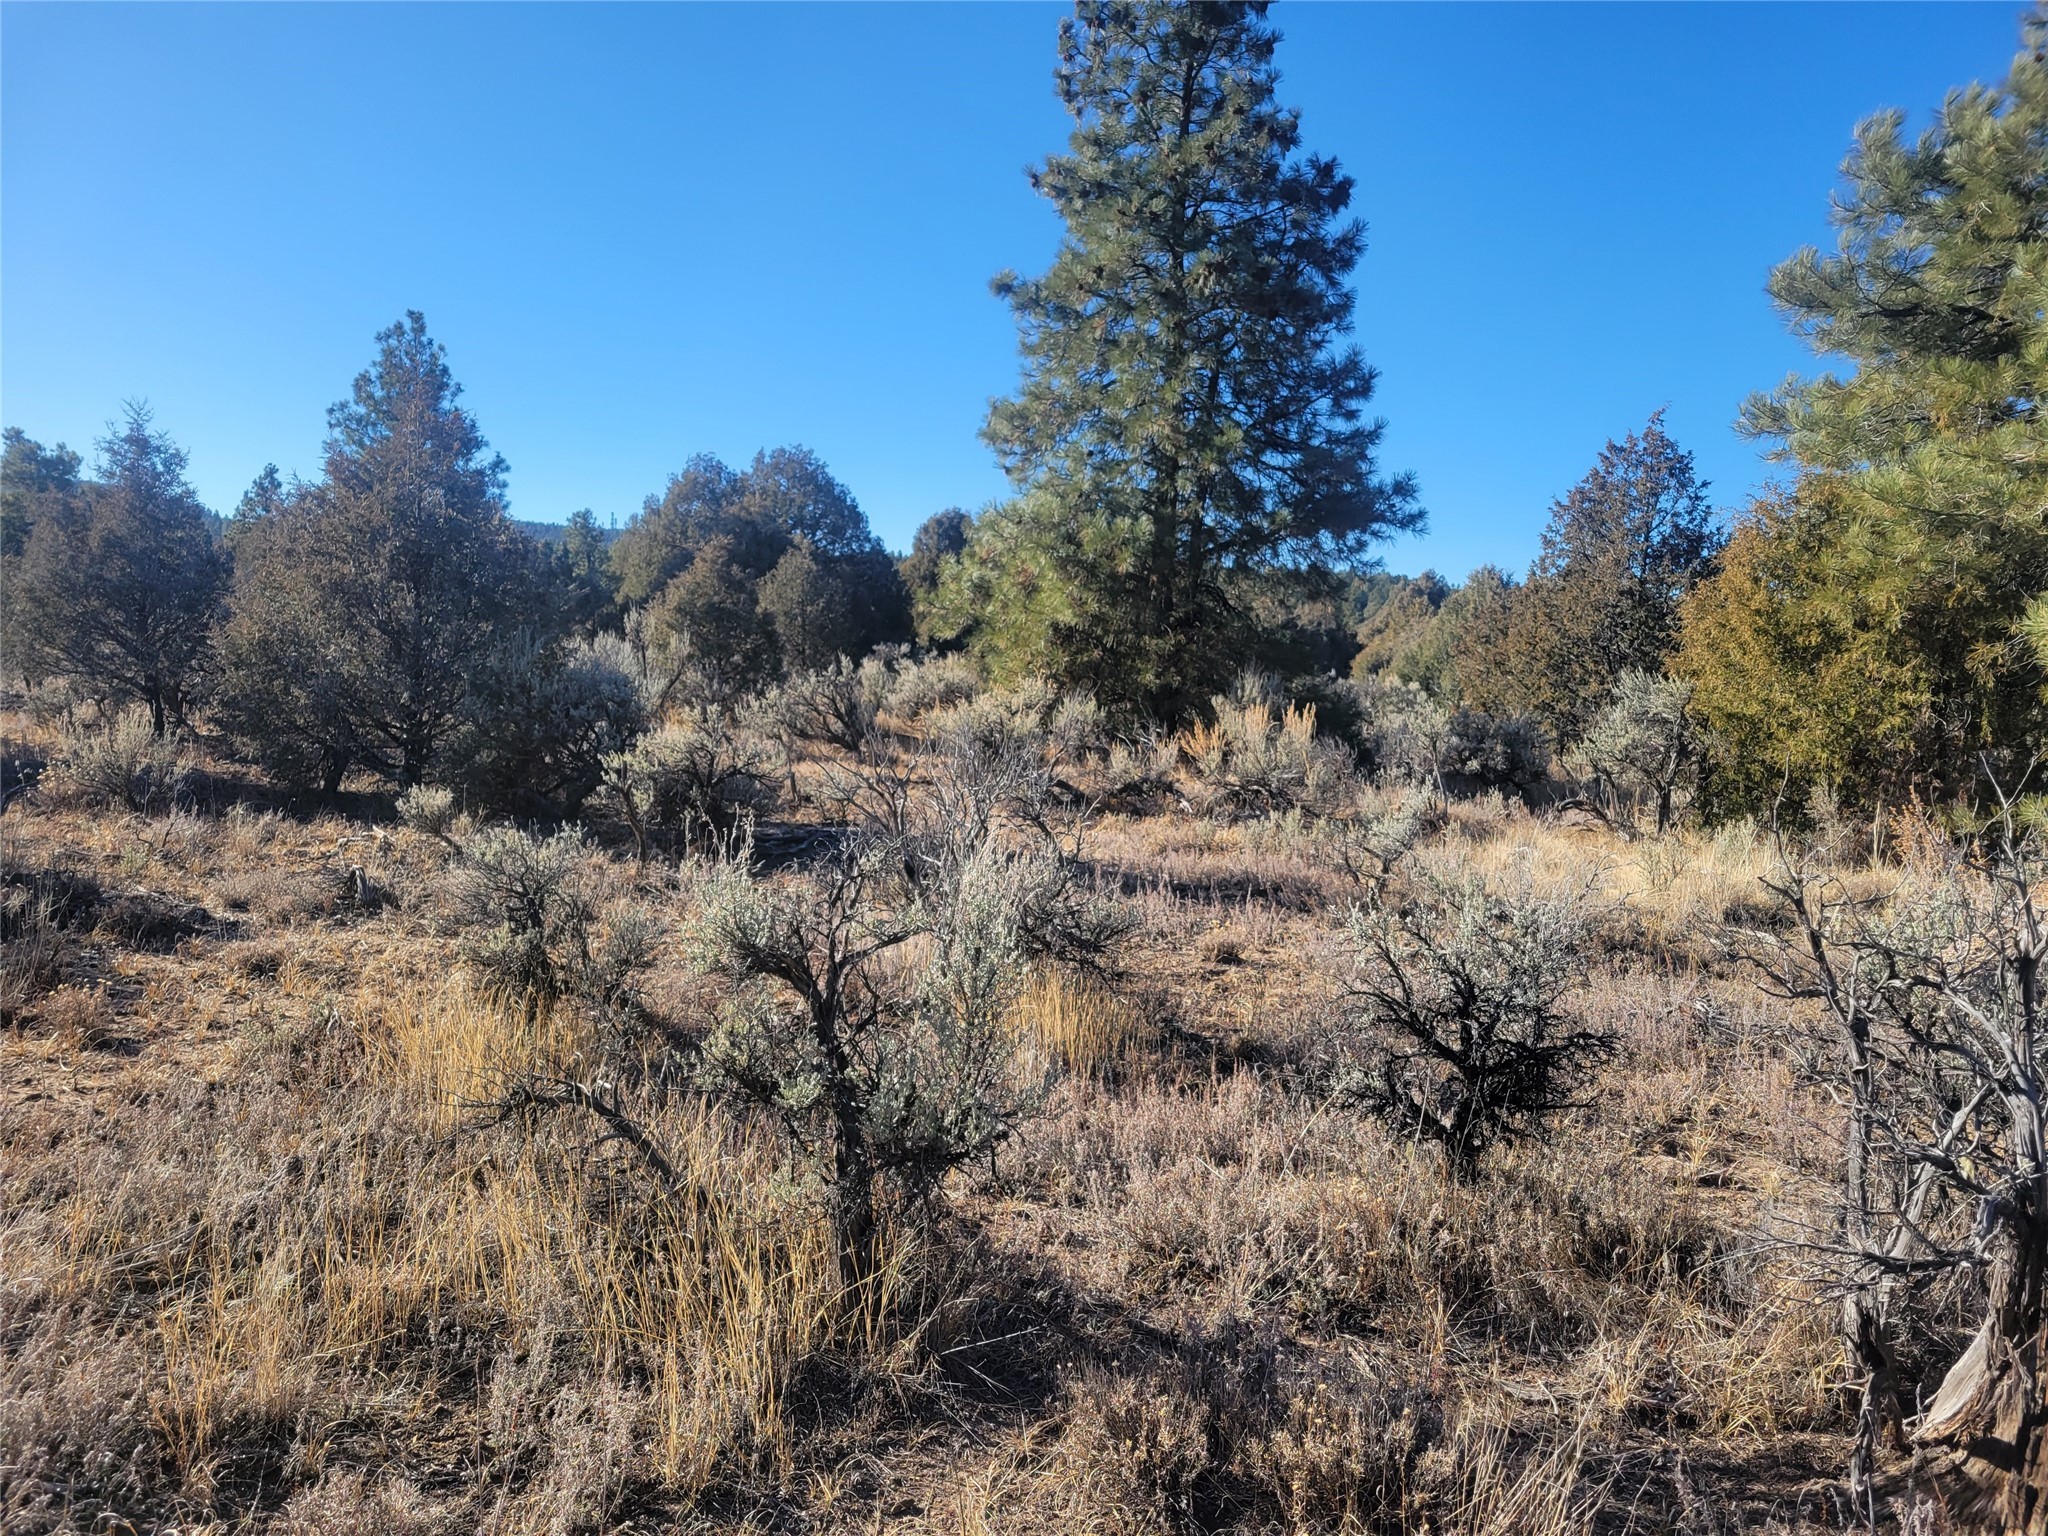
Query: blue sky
647	231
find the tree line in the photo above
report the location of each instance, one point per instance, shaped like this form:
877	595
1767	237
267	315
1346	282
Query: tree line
1197	487
391	619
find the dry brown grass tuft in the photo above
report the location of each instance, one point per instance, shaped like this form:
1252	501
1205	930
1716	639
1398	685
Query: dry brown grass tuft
1079	1024
382	1240
79	1017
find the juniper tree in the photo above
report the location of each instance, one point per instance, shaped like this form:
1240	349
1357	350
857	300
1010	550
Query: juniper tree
939	538
1457	654
34	480
585	589
712	612
824	606
30	474
1189	406
1622	550
364	603
792	495
659	544
796	574
120	583
1391	615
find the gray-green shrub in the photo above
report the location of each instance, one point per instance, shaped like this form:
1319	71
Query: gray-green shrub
1642	750
123	764
694	776
531	908
1459	999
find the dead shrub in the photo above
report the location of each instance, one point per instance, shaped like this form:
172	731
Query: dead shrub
73	1418
154	921
1222	946
1334	1457
1143	1449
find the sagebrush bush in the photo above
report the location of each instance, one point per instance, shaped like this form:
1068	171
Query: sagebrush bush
886	1067
540	717
1495	752
1406	734
123	765
870	998
1377	834
32	947
429	809
1226	1423
987	760
935	682
530	907
1141	765
698	776
838	705
1643	750
1459	997
41	913
1261	757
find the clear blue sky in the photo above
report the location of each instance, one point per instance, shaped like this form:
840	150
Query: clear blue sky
648	231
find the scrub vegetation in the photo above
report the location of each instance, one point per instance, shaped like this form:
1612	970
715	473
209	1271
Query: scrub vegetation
1125	1019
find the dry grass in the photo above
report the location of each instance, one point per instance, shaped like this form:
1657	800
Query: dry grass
1078	1025
384	1247
272	1263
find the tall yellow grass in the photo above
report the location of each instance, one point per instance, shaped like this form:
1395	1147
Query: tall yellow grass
1080	1025
708	1306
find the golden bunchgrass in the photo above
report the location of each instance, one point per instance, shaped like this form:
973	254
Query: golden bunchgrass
1080	1024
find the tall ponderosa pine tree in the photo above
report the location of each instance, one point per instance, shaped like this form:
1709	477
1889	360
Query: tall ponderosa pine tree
1920	519
364	603
120	581
1188	409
